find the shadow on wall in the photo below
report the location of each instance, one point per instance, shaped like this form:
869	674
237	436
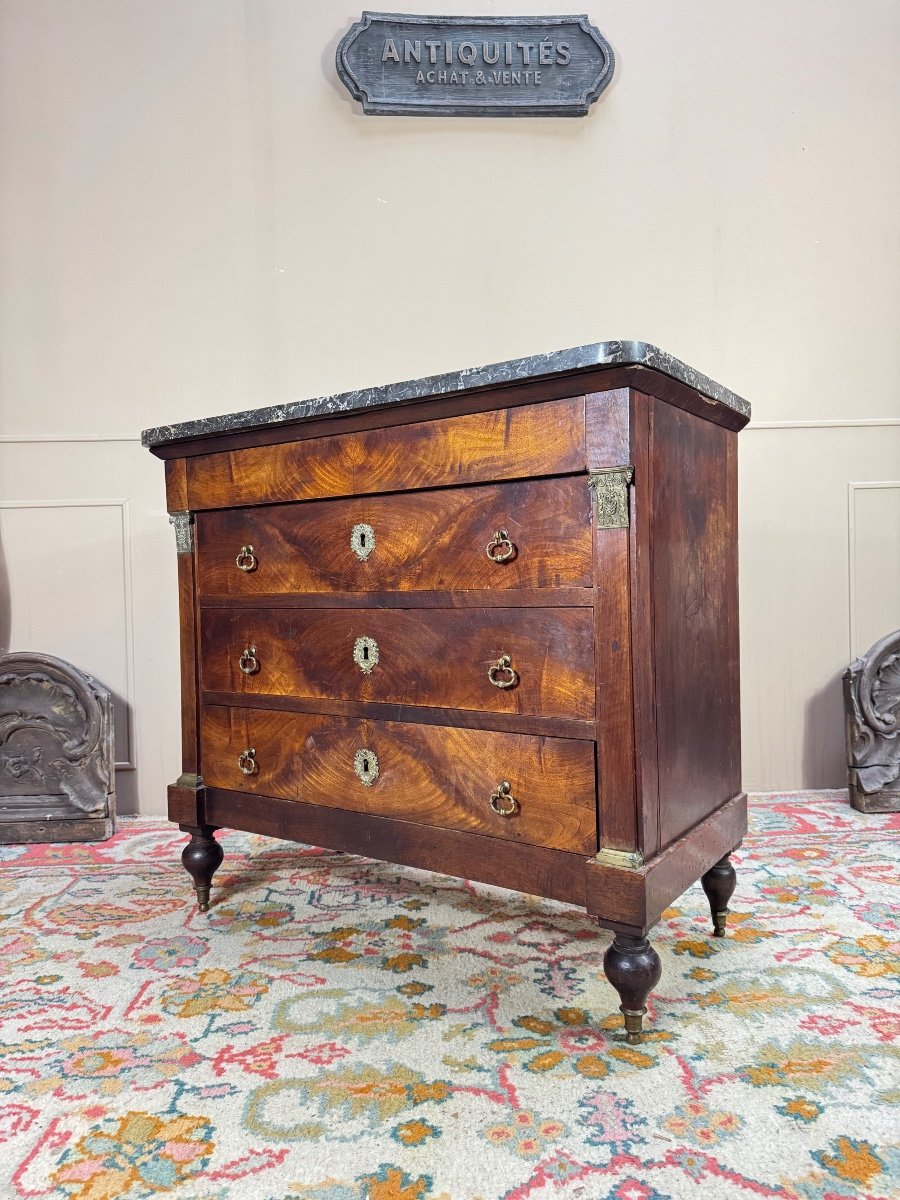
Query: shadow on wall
824	751
5	604
127	780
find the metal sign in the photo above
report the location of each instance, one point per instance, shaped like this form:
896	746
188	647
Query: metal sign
398	64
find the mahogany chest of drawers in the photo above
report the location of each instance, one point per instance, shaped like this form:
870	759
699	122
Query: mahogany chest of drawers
483	623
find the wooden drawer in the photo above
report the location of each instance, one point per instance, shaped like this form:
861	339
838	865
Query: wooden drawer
513	443
436	657
425	774
415	541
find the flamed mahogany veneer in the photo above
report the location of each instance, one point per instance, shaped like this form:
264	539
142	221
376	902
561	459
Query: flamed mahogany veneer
483	623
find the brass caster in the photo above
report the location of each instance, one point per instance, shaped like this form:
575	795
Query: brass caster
718	883
634	1019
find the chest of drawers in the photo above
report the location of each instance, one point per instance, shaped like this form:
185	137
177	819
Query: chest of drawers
483	623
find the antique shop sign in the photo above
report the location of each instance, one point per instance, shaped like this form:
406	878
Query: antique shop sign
474	66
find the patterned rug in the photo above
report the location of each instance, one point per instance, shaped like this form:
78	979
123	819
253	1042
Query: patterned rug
341	1029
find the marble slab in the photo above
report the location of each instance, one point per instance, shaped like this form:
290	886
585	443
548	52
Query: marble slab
538	366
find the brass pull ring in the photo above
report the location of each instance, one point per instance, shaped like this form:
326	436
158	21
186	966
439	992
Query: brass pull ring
247	761
503	802
248	662
247	560
503	666
500	538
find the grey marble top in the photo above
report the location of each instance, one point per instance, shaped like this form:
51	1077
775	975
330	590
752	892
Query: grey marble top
538	366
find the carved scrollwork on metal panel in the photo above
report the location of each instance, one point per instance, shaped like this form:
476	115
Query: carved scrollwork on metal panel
610	486
872	702
184	531
56	736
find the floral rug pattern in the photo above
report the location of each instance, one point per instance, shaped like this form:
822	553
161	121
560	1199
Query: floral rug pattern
337	1028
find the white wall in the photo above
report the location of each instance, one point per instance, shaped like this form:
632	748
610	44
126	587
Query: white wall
195	217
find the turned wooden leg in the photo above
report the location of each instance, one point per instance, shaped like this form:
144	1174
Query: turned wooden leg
632	966
718	883
201	857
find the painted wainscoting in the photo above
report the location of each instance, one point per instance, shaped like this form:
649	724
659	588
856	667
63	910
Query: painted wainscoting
87	572
820	582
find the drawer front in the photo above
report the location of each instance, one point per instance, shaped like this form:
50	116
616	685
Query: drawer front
513	443
417	541
425	774
438	657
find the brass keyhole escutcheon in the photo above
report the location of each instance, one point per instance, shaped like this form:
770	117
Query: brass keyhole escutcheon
365	764
502	674
248	662
365	654
503	802
247	761
494	549
362	541
247	560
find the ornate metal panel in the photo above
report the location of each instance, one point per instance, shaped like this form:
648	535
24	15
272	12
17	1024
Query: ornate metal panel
610	485
400	64
872	705
626	859
56	752
184	531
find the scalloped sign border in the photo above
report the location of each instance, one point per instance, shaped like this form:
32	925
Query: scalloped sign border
398	64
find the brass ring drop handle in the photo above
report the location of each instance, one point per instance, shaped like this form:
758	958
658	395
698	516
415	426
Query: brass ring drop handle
493	551
247	761
501	674
503	802
248	662
247	560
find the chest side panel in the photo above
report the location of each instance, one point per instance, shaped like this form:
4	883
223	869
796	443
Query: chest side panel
693	576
